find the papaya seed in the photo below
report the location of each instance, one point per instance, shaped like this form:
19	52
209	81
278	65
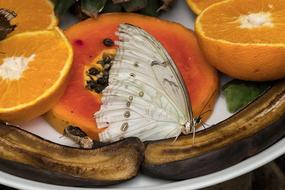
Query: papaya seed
93	71
99	88
108	42
91	84
102	81
100	62
107	59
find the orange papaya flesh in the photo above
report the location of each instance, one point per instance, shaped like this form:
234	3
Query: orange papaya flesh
78	104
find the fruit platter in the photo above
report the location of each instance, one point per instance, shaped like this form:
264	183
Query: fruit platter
138	93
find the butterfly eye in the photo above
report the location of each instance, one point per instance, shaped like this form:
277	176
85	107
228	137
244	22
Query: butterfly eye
132	75
198	120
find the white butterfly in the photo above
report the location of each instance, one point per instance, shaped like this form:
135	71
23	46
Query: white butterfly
146	96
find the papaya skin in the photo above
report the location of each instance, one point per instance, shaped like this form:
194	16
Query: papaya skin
78	105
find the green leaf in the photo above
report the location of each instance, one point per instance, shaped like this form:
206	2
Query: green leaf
62	6
5	26
239	93
92	7
151	8
112	7
134	5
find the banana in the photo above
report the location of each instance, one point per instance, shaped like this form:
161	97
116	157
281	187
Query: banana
244	134
29	156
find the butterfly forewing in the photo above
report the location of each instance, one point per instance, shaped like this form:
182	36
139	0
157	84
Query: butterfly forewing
146	96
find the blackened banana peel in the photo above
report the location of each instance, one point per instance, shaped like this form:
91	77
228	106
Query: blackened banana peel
29	156
246	133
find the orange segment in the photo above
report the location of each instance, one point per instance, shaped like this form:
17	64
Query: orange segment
245	42
198	6
31	14
33	72
257	22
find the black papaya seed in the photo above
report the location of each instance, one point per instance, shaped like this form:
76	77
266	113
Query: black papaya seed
107	59
108	42
91	84
102	81
93	71
99	88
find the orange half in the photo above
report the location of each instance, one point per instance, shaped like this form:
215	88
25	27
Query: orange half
245	39
32	15
198	6
33	73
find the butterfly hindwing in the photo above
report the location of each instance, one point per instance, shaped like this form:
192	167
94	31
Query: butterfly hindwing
146	95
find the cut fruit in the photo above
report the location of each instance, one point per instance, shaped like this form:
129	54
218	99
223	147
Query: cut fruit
244	42
250	131
32	15
198	6
33	72
87	39
26	155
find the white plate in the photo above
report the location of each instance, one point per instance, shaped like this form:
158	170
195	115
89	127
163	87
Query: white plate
180	13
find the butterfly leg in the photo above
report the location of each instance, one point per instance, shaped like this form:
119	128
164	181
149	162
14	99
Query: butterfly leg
193	135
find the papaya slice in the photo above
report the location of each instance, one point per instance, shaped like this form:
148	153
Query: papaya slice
92	39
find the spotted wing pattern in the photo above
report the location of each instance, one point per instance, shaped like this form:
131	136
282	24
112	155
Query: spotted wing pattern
146	96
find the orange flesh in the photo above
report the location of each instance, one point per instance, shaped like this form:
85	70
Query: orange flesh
31	14
79	104
199	5
226	25
41	73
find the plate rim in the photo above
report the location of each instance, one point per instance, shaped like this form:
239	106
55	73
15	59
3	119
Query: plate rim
274	151
236	170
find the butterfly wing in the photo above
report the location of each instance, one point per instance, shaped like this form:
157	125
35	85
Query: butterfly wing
146	96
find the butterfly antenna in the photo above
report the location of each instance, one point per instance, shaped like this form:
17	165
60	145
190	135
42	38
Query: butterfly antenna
208	101
205	112
205	125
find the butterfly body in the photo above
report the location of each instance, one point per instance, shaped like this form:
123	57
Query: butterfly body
146	96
